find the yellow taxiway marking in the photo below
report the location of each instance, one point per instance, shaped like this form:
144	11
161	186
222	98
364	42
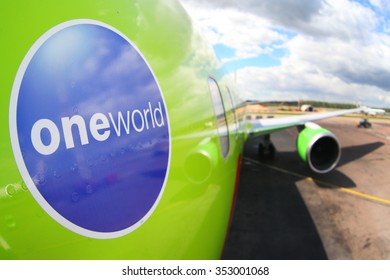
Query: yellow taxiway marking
346	190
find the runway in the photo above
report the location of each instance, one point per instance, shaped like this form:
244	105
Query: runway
284	211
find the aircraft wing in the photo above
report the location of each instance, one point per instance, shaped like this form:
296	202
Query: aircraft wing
316	146
259	127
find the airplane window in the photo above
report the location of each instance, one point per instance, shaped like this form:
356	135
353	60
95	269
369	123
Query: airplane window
220	115
235	123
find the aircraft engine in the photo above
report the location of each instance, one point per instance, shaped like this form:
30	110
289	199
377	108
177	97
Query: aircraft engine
319	148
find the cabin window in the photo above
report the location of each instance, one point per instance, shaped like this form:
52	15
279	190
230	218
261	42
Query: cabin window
220	116
232	109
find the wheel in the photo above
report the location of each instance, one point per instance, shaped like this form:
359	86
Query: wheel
266	152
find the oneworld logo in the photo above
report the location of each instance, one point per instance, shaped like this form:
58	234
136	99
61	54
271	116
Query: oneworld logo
89	129
99	127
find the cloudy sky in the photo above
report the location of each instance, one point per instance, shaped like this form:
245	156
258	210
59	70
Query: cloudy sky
326	50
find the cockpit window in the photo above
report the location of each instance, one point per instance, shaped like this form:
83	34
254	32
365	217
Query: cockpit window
220	115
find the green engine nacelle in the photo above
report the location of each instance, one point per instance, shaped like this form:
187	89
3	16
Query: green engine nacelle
319	148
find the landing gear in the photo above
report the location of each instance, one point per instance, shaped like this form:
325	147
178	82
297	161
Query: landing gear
364	123
266	149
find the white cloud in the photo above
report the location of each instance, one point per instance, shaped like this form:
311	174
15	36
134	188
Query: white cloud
334	49
246	33
382	5
279	84
342	19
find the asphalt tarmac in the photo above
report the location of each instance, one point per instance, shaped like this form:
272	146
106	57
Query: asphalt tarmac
285	212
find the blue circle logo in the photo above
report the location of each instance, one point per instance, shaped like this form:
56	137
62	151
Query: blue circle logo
90	130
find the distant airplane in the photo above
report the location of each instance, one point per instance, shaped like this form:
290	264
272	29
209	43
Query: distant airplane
374	112
119	133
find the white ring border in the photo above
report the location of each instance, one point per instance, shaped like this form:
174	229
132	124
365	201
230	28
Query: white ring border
16	146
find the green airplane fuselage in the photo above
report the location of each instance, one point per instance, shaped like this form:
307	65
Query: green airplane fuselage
191	218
